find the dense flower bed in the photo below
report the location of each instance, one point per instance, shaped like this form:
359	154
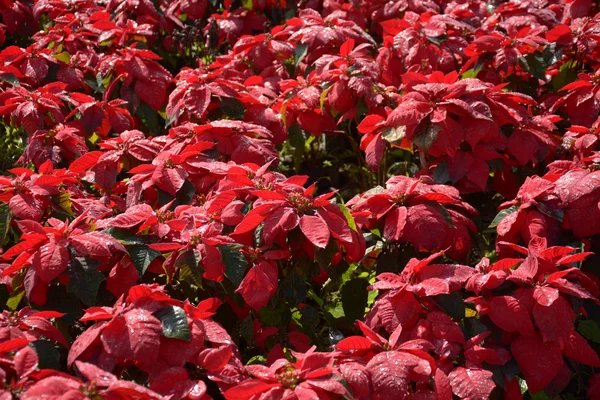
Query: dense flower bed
263	199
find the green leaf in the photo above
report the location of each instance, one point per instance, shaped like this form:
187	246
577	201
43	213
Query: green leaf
535	64
568	73
174	323
441	174
354	299
64	57
5	217
309	319
64	202
502	214
139	240
150	118
335	309
14	299
299	53
170	119
324	256
394	135
235	262
273	316
444	212
142	256
452	304
590	330
247	329
10	78
296	136
315	297
247	4
552	212
85	279
471	73
323	96
424	140
257	360
233	108
294	287
348	216
48	354
541	395
188	264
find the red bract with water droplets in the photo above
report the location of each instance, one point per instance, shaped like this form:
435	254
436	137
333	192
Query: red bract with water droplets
411	210
314	375
129	149
292	206
139	66
45	252
400	304
100	383
28	194
316	166
535	211
30	324
131	333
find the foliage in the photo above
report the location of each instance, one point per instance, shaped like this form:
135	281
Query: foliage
313	199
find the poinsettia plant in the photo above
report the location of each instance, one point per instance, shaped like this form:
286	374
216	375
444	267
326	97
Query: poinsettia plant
299	199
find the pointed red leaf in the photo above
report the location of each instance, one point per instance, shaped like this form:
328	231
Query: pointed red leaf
315	230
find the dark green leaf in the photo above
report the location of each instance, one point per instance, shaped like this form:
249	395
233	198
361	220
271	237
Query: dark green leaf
441	174
142	256
150	118
186	194
541	395
552	54
272	316
188	264
299	53
5	217
235	262
296	136
121	233
294	287
324	256
425	139
309	319
48	355
438	40
85	279
10	78
535	64
174	323
552	212
354	299
452	304
247	329
568	73
590	330
139	240
502	214
442	210
233	108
